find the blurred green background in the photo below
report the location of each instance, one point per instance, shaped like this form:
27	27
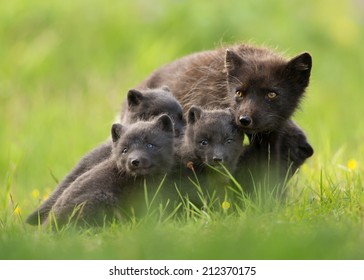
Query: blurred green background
65	67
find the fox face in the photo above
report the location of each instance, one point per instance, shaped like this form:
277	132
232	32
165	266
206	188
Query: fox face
144	148
213	137
266	88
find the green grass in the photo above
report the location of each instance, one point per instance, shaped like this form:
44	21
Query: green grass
65	69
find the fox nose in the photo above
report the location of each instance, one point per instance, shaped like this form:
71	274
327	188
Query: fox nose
135	162
217	159
245	120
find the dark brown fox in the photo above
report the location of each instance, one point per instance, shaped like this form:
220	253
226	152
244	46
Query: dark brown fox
141	152
262	87
140	105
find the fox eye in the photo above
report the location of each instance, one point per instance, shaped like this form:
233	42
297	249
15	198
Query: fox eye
239	93
124	151
150	146
271	95
204	142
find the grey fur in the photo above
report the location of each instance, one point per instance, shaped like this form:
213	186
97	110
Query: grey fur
140	105
141	151
212	138
148	103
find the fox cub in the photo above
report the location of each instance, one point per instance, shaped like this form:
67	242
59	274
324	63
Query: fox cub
211	139
141	153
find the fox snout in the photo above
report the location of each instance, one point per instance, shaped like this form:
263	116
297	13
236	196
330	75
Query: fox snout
245	120
138	162
134	162
218	156
214	158
217	159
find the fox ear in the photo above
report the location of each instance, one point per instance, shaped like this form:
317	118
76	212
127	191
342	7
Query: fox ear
134	97
298	69
194	114
232	62
116	131
165	123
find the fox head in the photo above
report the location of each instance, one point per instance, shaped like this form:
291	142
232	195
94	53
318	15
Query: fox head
266	87
144	148
144	105
212	137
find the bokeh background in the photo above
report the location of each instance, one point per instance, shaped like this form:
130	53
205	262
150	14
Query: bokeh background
65	67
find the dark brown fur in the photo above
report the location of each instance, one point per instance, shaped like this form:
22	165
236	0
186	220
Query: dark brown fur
262	87
272	159
210	79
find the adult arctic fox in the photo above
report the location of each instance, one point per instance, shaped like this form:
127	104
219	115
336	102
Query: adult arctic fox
260	85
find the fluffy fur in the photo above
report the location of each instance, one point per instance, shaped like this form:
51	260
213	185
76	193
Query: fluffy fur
268	163
212	138
240	77
140	105
147	104
262	87
141	151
